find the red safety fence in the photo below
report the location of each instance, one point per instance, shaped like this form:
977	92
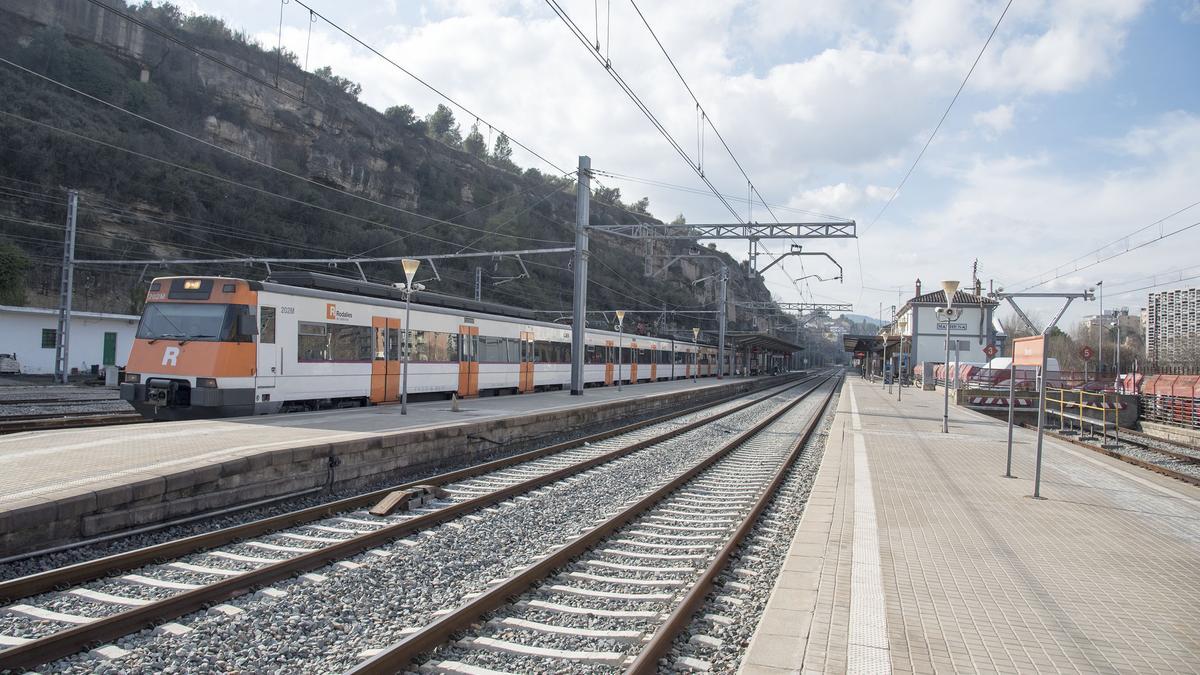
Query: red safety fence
981	377
1171	399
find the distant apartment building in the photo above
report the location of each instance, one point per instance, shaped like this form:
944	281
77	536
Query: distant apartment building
1173	331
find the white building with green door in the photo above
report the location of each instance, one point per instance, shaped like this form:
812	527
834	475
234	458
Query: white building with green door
96	339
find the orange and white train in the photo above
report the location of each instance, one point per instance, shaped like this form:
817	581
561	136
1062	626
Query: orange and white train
221	347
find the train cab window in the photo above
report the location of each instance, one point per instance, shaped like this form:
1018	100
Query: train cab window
266	325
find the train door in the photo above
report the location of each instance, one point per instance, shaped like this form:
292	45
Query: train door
268	354
379	360
385	366
468	361
608	363
525	383
391	380
633	362
653	363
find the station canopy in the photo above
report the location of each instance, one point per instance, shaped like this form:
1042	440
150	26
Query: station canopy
869	343
763	342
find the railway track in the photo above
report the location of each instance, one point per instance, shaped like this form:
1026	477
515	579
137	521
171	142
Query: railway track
13	424
60	612
617	595
1151	453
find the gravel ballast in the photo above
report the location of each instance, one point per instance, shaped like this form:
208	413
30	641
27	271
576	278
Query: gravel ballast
325	624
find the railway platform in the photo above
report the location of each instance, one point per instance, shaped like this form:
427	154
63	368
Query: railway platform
915	554
62	486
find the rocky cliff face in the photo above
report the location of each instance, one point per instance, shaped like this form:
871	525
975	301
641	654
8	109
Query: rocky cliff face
297	123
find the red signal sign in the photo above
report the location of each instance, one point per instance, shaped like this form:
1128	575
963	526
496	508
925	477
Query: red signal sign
1086	353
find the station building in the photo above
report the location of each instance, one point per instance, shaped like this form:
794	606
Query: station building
96	339
924	332
973	330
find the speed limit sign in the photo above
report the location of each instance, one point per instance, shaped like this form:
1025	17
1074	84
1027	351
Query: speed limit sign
1086	353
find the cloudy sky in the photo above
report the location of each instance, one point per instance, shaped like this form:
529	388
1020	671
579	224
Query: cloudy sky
1076	138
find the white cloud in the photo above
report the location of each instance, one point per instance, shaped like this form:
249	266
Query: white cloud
997	120
828	129
1023	217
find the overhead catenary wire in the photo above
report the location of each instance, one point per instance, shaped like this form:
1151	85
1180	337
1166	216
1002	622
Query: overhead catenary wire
215	177
313	15
945	114
706	120
638	102
426	84
684	188
1125	238
252	160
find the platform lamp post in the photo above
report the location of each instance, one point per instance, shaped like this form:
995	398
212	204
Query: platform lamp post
407	289
949	287
620	346
696	339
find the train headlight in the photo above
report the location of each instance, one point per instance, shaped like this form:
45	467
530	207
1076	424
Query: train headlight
206	382
133	378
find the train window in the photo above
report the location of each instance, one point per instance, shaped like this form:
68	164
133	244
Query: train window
493	349
643	356
664	357
393	346
312	343
266	325
350	343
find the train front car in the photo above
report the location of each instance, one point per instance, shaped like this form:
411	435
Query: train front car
194	355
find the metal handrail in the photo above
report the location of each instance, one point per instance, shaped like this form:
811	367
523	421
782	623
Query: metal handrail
1081	400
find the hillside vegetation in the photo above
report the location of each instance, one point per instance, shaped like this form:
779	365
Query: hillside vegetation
320	174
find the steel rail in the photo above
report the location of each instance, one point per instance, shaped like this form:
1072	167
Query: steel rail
71	640
400	655
1116	454
15	424
662	639
121	562
1145	441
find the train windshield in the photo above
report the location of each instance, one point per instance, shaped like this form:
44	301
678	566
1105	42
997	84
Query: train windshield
188	321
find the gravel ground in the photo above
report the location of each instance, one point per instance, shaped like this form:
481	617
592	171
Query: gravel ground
753	463
65	409
1147	454
11	570
368	606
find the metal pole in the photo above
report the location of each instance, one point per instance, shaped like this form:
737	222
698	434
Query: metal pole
404	352
1117	349
1100	330
900	384
1012	393
620	352
478	283
579	316
1037	471
62	361
721	320
946	384
956	366
883	364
